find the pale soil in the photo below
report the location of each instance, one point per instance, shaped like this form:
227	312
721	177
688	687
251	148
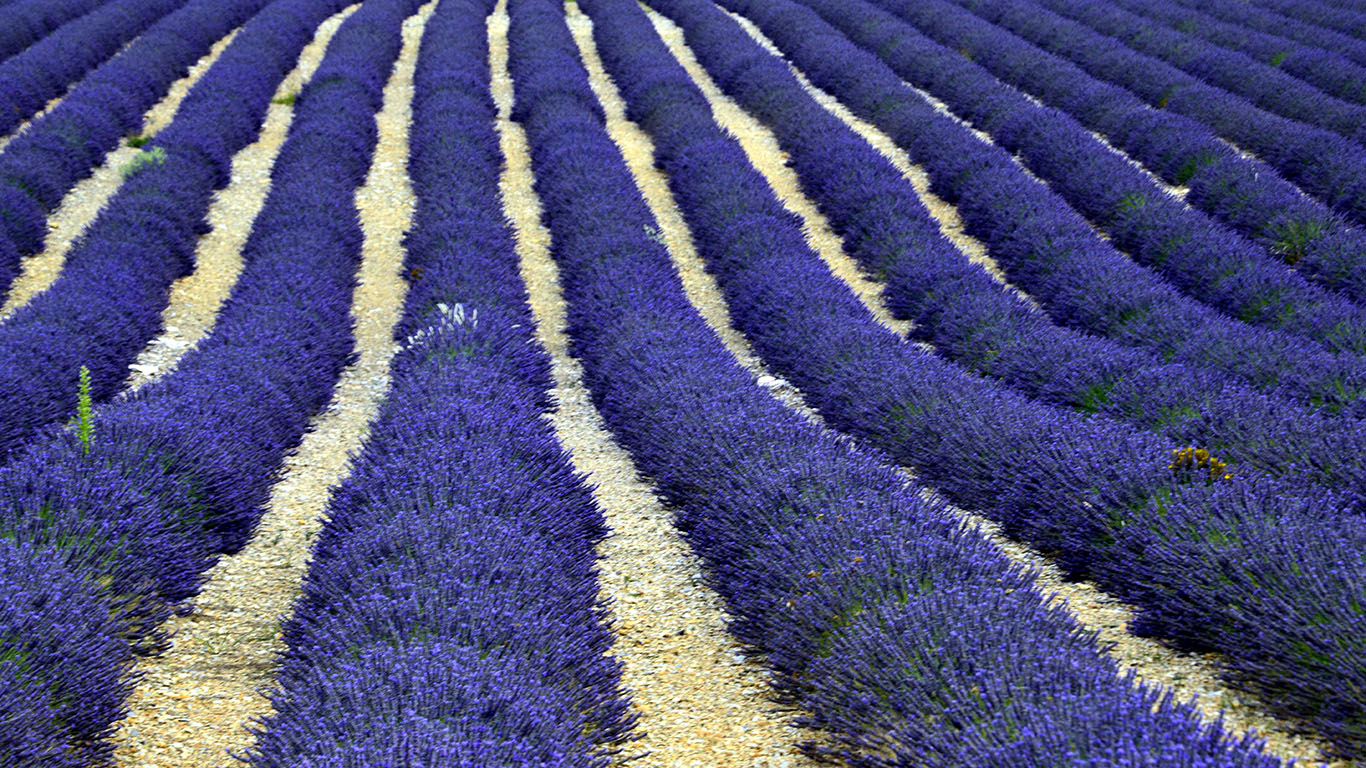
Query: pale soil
701	703
80	206
944	213
55	100
1189	675
197	297
195	701
52	102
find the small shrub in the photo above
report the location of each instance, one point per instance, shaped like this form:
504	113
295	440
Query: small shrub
144	159
288	99
1190	463
137	141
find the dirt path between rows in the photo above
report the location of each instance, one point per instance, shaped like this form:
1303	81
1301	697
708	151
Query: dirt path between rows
196	700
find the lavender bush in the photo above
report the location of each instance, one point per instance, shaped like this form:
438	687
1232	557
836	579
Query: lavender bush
1265	20
28	21
1244	194
45	69
1199	256
181	470
1205	557
1332	73
1047	249
886	621
976	322
107	303
450	613
1261	84
1321	162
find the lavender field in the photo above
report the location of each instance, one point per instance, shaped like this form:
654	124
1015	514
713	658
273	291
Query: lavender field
697	383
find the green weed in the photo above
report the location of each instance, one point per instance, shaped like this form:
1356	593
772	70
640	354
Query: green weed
143	160
85	420
1293	238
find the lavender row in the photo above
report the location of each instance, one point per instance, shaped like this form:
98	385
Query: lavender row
107	303
979	324
60	148
1050	251
450	612
45	70
28	21
1199	256
1330	72
1259	569
1261	84
1244	194
1344	20
110	535
1251	17
902	634
1322	163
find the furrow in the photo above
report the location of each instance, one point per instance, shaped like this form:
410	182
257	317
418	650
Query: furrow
764	152
637	148
88	197
701	702
197	297
196	700
946	423
49	67
944	212
12	135
1188	675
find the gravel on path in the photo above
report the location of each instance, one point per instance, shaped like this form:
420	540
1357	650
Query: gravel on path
195	702
944	213
52	102
1189	675
196	298
767	156
80	206
702	703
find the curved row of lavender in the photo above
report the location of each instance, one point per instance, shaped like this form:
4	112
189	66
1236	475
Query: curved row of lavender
108	539
1344	20
1081	281
1330	72
903	635
1324	164
1253	16
1197	255
28	21
1049	250
979	324
62	147
106	304
1261	84
450	614
1263	570
1244	194
44	70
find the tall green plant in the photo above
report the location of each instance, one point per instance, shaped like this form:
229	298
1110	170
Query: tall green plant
85	420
